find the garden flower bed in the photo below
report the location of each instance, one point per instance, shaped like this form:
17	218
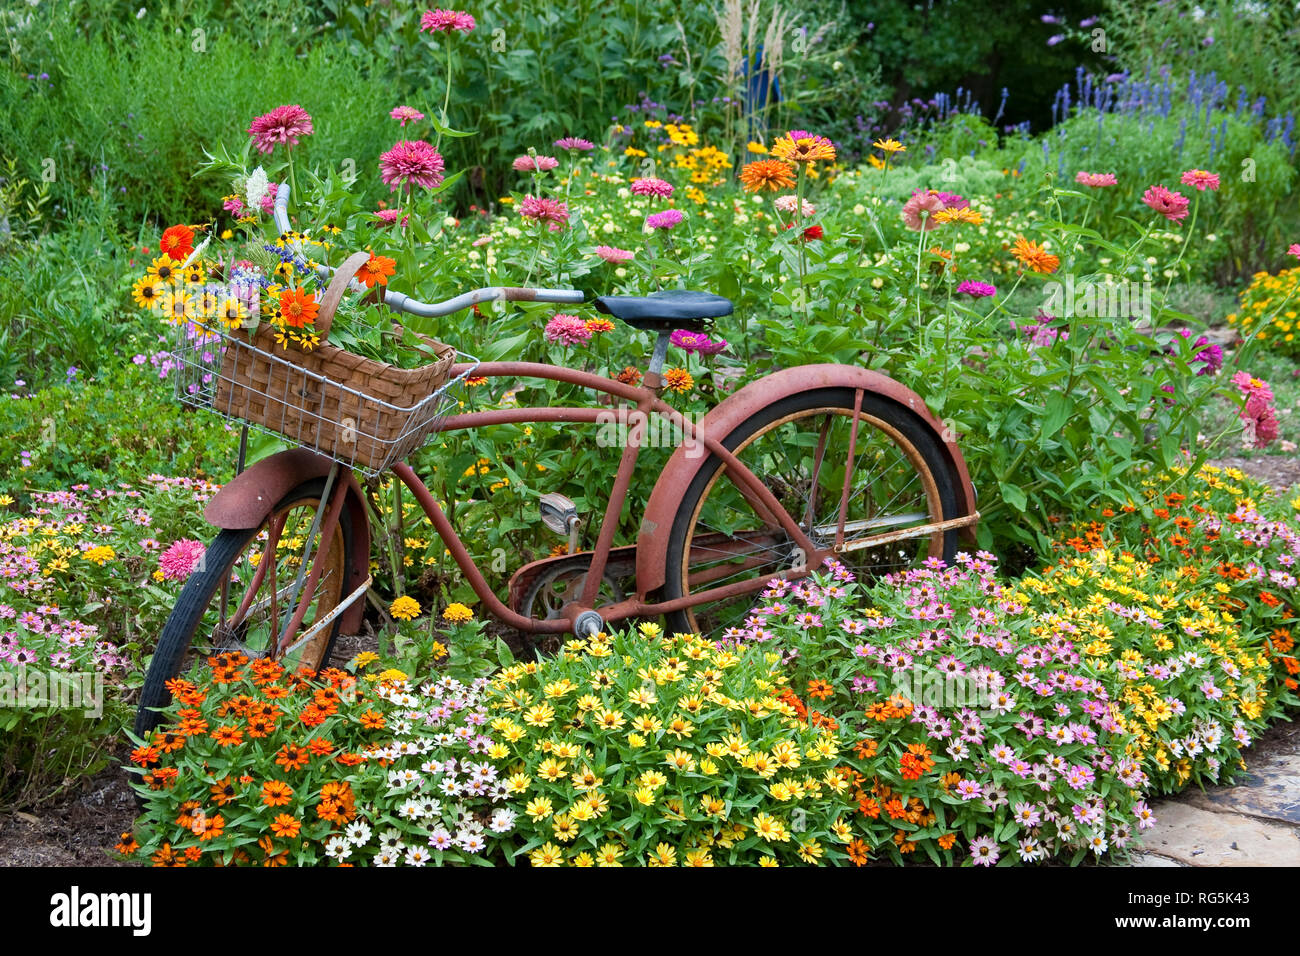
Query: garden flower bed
945	714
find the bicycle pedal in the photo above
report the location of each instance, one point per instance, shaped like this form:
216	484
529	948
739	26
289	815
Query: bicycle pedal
560	514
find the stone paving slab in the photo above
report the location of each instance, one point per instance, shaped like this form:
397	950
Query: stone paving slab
1151	860
1270	790
1195	836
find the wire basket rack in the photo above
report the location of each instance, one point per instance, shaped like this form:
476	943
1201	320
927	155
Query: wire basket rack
359	412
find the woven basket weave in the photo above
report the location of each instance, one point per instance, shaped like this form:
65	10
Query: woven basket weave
354	409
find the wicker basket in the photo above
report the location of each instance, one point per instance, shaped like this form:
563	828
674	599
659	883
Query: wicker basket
358	411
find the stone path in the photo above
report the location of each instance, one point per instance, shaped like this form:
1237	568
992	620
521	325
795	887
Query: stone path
1254	822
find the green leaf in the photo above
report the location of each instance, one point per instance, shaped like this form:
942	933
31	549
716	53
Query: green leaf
444	130
1013	495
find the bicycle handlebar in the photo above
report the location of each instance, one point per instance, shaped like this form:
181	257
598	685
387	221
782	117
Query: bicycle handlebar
400	302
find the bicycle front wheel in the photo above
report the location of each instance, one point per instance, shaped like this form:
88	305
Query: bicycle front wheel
799	448
241	598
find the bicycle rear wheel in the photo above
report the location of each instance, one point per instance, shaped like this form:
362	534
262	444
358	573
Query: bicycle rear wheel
799	447
254	606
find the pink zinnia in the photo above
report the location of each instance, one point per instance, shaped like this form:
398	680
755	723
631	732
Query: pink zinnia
544	210
697	342
575	143
405	113
664	220
445	21
389	216
1096	180
233	205
977	289
651	186
1200	179
1171	205
413	161
1294	250
921	202
611	254
284	124
268	201
567	330
541	164
179	561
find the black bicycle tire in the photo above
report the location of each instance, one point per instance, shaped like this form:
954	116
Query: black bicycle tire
908	423
194	599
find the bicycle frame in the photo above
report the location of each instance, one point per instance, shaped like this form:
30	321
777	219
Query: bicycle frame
641	401
645	401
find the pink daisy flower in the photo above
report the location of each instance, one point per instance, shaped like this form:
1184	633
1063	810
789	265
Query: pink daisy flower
179	561
977	289
984	851
614	255
544	210
411	161
652	186
698	342
664	220
575	143
284	124
268	201
406	113
1096	180
919	203
1171	205
567	330
541	164
447	21
1200	179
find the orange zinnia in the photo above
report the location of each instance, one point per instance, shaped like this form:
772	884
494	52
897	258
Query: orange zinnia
372	720
858	853
285	826
820	688
1034	256
212	827
298	307
223	791
276	793
228	736
377	270
769	174
292	758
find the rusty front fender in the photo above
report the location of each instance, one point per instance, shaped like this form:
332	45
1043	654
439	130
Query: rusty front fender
656	525
248	498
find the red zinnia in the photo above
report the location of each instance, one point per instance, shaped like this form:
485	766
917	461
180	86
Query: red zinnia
177	242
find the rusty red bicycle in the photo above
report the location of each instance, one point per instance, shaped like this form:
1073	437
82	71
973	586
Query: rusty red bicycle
801	465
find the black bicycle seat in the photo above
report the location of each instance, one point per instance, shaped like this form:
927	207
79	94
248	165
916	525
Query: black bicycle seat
666	311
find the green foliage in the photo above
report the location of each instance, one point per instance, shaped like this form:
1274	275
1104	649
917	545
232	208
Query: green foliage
80	623
128	110
122	426
1251	45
